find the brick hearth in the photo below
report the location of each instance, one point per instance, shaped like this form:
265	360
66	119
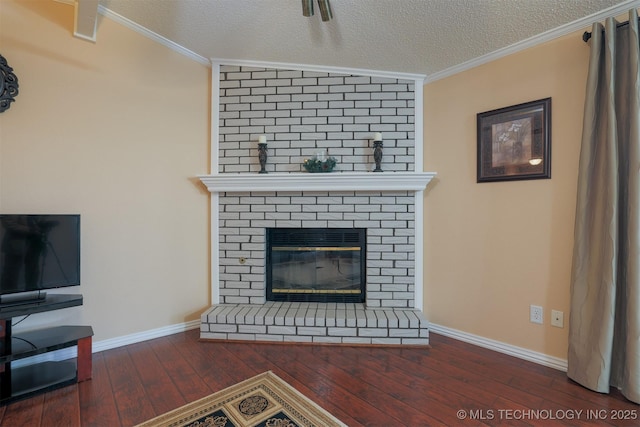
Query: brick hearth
315	323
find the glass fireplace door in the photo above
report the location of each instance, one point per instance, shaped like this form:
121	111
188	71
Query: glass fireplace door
315	265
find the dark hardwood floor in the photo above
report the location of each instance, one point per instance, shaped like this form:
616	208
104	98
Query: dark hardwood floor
453	383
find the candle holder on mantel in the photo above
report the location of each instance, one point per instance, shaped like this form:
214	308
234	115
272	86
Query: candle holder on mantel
262	156
377	152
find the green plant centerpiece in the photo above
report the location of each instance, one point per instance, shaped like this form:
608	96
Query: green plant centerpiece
319	165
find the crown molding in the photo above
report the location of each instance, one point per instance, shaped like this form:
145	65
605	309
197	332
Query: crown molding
153	36
320	68
563	30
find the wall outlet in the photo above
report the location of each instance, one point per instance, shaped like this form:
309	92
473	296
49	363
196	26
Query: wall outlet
535	314
557	318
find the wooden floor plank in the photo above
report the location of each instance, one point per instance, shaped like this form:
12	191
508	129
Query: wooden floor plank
500	366
291	366
97	403
159	388
394	398
218	369
363	386
188	382
128	391
24	413
464	379
62	404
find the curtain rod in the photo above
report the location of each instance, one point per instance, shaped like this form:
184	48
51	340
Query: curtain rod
587	35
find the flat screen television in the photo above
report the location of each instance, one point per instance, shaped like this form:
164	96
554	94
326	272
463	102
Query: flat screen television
37	252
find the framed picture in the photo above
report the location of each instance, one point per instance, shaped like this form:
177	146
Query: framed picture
515	142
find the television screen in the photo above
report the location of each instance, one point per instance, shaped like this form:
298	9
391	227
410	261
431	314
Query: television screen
39	252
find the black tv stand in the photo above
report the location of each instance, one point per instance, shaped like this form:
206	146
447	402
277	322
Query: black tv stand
29	380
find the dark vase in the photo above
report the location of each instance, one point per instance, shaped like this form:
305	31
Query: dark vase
377	155
262	156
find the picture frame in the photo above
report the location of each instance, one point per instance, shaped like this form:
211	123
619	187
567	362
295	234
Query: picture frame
514	143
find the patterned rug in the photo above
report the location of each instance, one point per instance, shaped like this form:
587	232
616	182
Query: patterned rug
262	401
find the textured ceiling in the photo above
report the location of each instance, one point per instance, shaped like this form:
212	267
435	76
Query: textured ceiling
413	36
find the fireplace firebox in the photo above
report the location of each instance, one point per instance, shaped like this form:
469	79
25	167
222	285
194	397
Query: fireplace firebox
316	264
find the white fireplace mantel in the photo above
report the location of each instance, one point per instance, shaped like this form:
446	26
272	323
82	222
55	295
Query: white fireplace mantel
414	182
342	181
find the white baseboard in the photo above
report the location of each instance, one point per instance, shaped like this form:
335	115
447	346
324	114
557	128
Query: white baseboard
71	352
144	336
511	350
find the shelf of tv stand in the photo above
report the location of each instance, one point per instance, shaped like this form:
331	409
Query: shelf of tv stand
49	303
28	380
32	343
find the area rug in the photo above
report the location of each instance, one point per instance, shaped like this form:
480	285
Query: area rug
262	401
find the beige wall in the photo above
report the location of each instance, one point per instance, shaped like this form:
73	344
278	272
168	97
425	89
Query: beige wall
115	131
495	248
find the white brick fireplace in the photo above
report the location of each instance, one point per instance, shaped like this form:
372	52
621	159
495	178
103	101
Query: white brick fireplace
301	111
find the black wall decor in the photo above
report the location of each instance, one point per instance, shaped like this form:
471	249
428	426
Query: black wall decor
8	85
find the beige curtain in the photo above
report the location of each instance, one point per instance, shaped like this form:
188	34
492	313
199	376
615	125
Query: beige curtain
604	330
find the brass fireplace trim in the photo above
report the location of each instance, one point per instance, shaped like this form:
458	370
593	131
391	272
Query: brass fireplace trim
315	291
312	249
